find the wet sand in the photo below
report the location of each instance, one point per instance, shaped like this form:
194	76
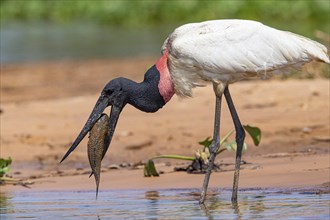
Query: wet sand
45	105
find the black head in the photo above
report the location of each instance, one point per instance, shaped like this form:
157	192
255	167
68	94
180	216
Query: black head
113	94
118	92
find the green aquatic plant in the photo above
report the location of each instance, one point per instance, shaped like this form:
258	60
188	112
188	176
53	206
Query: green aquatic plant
5	179
4	166
199	162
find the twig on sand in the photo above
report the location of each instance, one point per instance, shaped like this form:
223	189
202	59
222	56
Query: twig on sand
13	181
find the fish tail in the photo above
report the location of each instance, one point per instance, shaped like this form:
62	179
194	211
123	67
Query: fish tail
97	179
97	191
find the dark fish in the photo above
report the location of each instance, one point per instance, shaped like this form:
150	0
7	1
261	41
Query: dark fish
96	144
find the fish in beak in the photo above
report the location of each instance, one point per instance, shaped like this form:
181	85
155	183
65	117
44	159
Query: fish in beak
112	95
95	148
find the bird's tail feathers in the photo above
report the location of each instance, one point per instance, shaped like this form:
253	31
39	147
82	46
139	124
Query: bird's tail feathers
315	50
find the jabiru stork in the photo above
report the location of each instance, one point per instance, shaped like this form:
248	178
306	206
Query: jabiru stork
217	51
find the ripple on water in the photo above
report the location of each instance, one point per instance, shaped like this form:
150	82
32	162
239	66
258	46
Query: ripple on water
164	204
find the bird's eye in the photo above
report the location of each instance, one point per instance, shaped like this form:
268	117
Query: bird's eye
107	91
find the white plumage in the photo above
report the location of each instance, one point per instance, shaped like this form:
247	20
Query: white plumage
229	50
222	52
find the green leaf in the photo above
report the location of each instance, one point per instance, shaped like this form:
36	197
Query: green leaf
207	142
179	157
225	139
232	146
221	150
5	166
254	132
150	169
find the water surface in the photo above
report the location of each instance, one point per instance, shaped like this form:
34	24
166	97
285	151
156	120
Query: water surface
164	204
46	41
31	42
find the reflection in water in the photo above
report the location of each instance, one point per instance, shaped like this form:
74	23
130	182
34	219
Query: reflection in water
257	207
5	205
152	206
163	204
236	210
152	195
206	211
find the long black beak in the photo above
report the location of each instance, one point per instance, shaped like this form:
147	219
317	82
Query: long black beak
99	107
114	115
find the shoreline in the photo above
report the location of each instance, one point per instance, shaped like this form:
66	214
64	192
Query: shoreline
286	173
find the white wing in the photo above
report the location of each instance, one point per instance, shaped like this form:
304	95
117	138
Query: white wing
229	50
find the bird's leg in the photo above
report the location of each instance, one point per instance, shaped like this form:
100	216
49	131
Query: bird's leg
240	136
214	147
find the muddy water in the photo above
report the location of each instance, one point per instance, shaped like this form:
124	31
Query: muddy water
164	204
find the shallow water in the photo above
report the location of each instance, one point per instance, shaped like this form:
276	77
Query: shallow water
164	204
29	42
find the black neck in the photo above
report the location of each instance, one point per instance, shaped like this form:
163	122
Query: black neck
145	96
